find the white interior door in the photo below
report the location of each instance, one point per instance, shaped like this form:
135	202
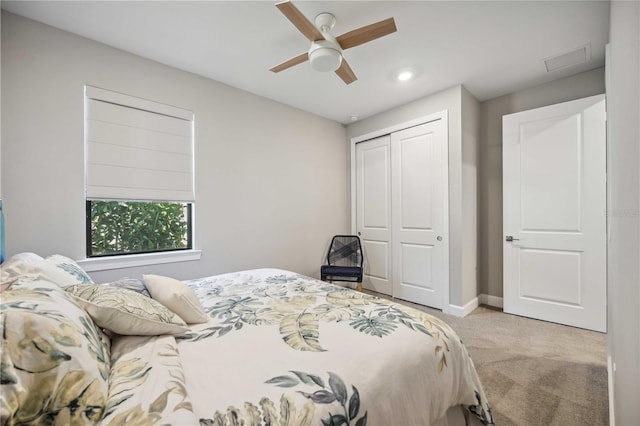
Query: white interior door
373	211
554	180
418	209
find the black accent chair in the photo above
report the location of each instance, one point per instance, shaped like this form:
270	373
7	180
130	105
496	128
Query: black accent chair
344	260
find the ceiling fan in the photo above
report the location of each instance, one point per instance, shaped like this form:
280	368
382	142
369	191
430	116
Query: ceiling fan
325	53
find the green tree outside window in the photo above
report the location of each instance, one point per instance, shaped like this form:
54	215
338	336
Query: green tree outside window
125	227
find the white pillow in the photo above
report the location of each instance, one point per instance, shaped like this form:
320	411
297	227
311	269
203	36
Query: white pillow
176	296
27	257
126	312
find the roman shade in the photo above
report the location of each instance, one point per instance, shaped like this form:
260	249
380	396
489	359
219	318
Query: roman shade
137	149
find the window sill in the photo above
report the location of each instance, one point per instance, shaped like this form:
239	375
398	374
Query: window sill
133	260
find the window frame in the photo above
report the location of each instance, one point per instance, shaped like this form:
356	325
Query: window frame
108	263
88	233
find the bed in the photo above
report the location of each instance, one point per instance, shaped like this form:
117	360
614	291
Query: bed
274	348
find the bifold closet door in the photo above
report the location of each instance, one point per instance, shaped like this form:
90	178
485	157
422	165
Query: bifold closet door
373	211
401	210
418	209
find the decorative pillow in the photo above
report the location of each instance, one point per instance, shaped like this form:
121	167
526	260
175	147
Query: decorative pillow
55	361
74	273
16	268
58	269
27	257
132	284
126	312
10	271
33	281
176	296
5	282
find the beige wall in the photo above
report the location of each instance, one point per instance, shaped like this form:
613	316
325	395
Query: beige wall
623	210
271	181
470	164
490	189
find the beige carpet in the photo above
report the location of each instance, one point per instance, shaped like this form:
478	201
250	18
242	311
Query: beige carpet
535	372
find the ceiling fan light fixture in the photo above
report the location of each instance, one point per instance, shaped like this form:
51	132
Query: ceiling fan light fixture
324	58
325	54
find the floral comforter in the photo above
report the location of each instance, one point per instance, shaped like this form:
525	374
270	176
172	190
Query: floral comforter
278	349
285	349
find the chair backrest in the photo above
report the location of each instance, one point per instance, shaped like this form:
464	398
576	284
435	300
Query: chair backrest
345	250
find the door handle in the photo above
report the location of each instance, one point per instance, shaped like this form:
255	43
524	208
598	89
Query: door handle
509	238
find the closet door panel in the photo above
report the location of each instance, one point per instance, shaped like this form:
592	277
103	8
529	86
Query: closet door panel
415	197
417	265
373	211
417	211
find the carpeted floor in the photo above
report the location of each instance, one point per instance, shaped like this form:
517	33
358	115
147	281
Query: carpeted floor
535	372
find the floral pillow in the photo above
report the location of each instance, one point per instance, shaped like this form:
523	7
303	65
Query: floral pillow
74	273
133	284
57	268
14	269
126	312
55	362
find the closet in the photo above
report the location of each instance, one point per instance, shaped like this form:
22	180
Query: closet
401	212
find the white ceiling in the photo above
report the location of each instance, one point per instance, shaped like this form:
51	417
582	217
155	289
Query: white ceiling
491	47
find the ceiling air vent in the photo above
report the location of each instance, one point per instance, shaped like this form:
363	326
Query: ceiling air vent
575	57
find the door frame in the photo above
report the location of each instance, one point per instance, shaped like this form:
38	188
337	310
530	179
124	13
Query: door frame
444	116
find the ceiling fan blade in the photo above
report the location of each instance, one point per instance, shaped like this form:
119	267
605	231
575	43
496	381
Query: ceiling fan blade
367	33
291	62
346	73
299	21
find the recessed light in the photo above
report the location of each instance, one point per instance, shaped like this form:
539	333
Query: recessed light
405	76
354	118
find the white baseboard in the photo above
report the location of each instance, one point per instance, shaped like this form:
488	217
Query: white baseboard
487	299
463	311
610	373
482	299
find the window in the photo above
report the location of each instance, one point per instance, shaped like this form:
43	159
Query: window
126	227
139	175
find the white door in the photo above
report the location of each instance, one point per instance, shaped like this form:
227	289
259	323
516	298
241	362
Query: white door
554	180
373	212
418	210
